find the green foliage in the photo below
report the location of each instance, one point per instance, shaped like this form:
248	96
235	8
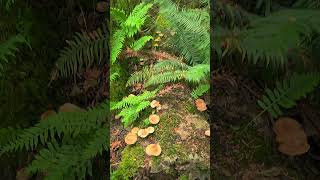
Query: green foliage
288	92
133	105
200	90
82	51
9	48
191	27
71	140
266	40
132	159
167	71
129	25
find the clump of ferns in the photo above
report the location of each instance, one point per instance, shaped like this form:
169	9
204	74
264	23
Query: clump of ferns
68	143
269	41
125	27
171	71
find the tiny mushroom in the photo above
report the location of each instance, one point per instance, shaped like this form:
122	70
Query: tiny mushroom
290	136
207	132
154	119
201	105
150	129
130	138
135	130
154	104
143	133
153	150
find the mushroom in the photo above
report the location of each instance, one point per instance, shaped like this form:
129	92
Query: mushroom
150	129
143	133
68	107
130	138
207	132
48	113
155	103
290	136
117	117
154	119
201	105
153	150
135	130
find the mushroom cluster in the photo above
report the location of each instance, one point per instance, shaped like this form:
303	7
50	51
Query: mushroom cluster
290	136
155	104
132	136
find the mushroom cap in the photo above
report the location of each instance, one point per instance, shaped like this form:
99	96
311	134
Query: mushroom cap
153	150
207	132
135	130
143	133
154	119
116	117
130	138
290	136
150	129
201	105
155	103
68	107
47	114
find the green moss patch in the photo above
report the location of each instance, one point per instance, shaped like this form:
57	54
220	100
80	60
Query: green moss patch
132	159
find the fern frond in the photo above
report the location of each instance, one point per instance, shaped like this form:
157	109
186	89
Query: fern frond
82	51
200	90
288	92
69	124
9	47
197	73
136	18
118	16
117	44
311	4
137	45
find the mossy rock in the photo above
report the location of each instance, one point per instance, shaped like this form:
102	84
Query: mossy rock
180	133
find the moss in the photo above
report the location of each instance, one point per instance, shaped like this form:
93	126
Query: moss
132	159
183	177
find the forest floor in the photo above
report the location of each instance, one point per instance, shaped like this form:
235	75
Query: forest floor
244	151
181	134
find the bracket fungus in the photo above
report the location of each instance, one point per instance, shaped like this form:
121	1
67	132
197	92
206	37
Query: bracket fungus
135	130
143	133
153	150
150	129
201	105
290	136
130	138
154	119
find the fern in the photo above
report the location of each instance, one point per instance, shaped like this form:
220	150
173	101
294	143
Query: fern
137	45
312	4
82	51
192	39
129	26
288	92
131	106
9	47
200	90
